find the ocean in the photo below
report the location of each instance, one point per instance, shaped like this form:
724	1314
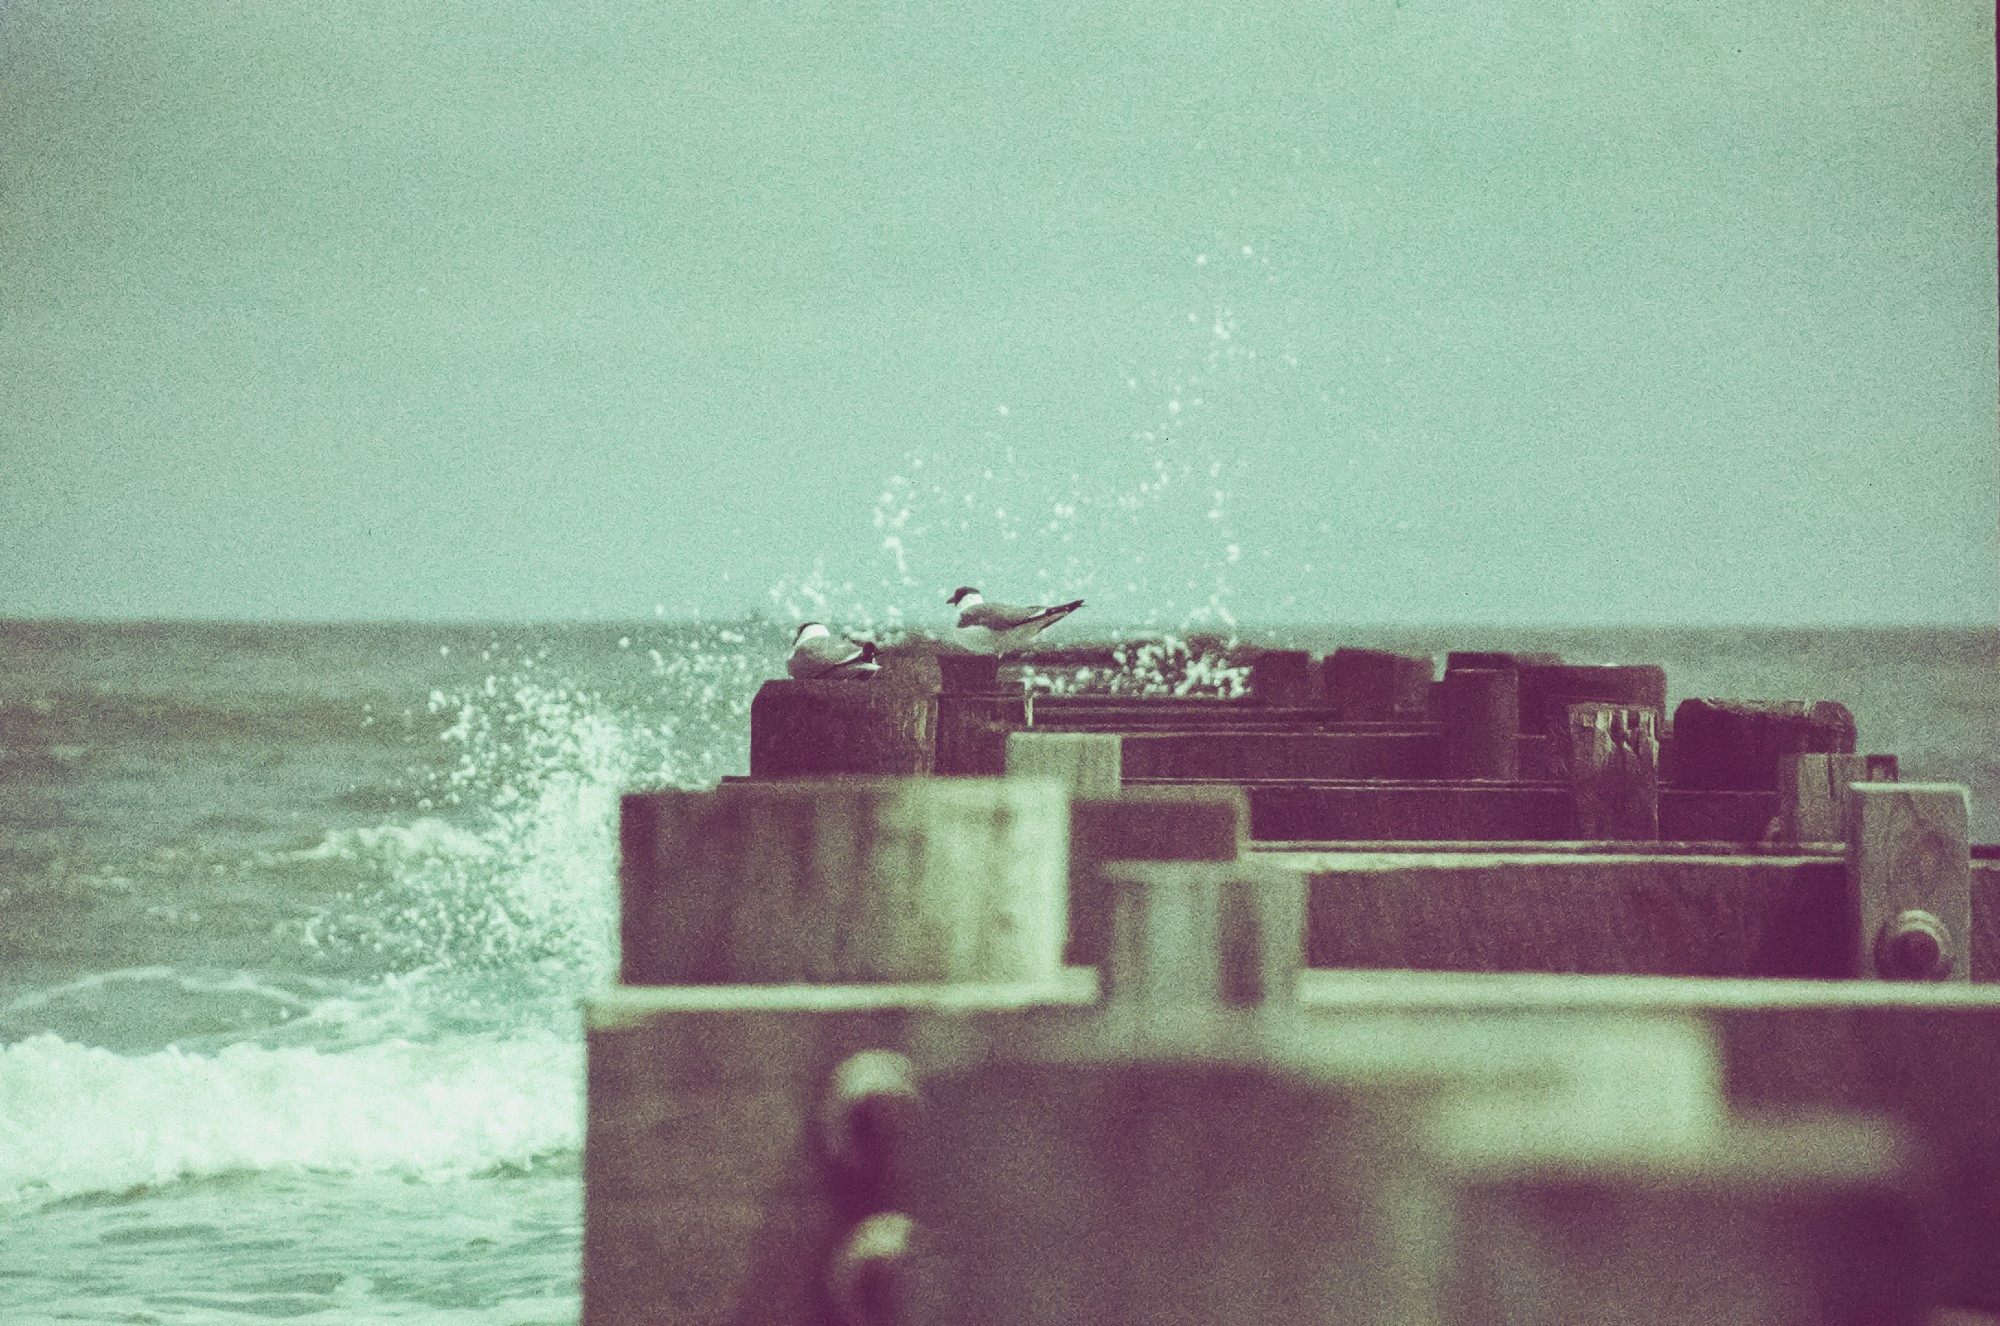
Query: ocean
295	921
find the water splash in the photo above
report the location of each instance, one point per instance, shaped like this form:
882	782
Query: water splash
524	885
1135	509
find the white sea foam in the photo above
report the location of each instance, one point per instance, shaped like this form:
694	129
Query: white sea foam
79	1119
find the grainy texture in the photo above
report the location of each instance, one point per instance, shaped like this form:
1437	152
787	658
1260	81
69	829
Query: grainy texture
1381	753
1519	911
1481	709
1806	1222
1907	852
1307	811
1812	795
1089	764
1284	677
801	729
1371	685
972	731
1549	689
1190	1194
1740	744
1614	771
1192	824
855	880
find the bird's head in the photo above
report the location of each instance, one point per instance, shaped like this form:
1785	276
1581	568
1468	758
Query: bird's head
960	593
807	630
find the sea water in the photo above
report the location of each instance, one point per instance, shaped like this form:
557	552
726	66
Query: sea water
295	921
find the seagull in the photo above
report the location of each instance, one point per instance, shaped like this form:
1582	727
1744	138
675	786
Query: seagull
995	628
818	654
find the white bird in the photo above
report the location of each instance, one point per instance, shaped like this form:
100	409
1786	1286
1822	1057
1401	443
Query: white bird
996	628
818	654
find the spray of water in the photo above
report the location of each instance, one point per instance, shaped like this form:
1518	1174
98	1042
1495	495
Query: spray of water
526	887
1138	513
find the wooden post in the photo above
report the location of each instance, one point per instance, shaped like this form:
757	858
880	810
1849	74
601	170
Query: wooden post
1485	660
807	729
1614	771
890	880
972	731
1549	689
1372	686
1089	764
1807	1221
1153	824
1741	744
1910	872
1812	795
1284	677
1190	937
1482	723
725	1178
1165	1193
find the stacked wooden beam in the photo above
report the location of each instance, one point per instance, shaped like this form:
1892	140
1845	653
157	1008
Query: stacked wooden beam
1494	998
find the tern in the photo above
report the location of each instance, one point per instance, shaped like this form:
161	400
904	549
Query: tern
996	628
818	654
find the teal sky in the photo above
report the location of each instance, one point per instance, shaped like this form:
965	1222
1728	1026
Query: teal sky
1479	311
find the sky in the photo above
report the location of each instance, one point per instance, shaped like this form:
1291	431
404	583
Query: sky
1592	312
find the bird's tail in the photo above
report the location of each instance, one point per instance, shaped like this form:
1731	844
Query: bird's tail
1063	609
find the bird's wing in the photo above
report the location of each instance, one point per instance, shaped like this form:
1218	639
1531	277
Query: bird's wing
1006	616
822	654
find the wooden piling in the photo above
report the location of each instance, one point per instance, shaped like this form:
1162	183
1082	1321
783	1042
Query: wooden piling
1549	689
713	1196
806	729
1372	685
1089	764
1482	717
1284	677
1196	824
1812	795
1795	1221
1741	744
1910	872
1614	771
851	880
1190	1193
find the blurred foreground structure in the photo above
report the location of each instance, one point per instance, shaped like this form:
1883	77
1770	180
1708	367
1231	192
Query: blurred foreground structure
1372	997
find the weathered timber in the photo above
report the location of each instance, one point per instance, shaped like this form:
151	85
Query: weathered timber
1193	934
1926	1057
1812	795
1740	744
1549	689
1526	910
1910	870
972	731
1192	824
1050	1193
1614	771
711	1198
1375	686
804	729
1089	764
1481	709
1253	755
851	880
1284	677
1481	660
1798	1221
1328	810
